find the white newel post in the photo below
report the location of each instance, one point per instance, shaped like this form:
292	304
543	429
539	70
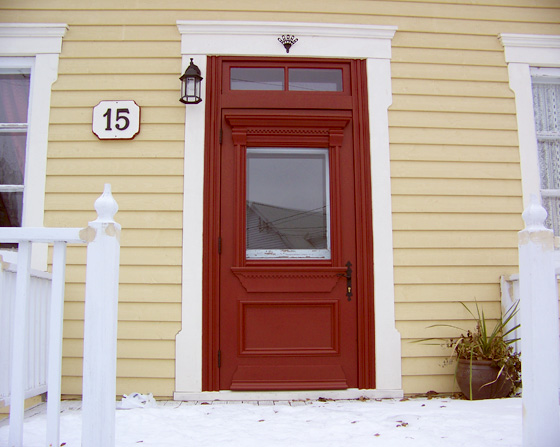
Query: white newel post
539	330
100	325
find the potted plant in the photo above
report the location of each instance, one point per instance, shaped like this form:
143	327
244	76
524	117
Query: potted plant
487	366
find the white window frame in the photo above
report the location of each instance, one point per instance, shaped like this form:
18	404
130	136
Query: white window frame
36	46
373	43
522	53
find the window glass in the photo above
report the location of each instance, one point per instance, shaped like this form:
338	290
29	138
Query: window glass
287	203
14	98
546	101
315	79
256	78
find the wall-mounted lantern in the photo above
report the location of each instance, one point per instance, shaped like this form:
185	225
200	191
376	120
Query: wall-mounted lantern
191	82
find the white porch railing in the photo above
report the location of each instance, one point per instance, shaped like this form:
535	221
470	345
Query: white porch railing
37	327
100	324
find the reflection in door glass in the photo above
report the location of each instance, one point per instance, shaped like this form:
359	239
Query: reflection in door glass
315	79
287	203
257	78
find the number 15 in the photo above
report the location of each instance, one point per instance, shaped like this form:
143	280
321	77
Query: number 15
120	116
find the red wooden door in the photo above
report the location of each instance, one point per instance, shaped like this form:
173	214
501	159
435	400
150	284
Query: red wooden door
287	305
288	289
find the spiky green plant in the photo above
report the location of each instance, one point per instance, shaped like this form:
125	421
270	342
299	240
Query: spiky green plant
483	344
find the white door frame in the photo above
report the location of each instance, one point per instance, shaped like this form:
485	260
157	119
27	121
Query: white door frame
200	39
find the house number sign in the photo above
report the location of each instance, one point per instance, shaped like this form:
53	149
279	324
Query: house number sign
116	120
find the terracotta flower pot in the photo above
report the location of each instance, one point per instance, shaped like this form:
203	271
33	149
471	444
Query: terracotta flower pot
485	381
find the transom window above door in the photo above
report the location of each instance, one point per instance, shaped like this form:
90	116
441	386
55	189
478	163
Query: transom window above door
298	79
291	76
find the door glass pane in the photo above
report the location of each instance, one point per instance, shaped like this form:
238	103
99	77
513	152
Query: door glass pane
288	203
315	79
257	78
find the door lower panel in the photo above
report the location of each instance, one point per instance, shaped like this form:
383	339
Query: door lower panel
286	377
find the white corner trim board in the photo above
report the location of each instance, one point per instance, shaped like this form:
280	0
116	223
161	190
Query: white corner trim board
202	38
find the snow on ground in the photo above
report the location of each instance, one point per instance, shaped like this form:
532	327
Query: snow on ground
415	422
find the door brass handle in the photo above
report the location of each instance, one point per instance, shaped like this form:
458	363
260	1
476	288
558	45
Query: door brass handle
348	276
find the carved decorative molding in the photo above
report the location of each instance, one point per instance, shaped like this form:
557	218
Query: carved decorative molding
304	279
314	130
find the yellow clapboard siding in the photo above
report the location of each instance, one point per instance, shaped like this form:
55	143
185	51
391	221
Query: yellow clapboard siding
135	255
457	221
406	39
448	72
91	98
457	204
129	349
122	49
119	82
456	178
545	19
430	348
119	184
452	120
151	238
121	32
447	153
438	313
424	169
415	9
455	256
450	274
405	135
139	274
451	88
83	115
170	65
126	201
414	384
148	132
433	103
161	293
487	26
128	220
153	368
456	187
117	166
117	149
132	311
427	366
128	330
412	293
471	57
421	329
454	239
159	387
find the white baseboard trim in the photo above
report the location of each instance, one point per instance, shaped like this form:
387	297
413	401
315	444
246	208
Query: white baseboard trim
353	393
